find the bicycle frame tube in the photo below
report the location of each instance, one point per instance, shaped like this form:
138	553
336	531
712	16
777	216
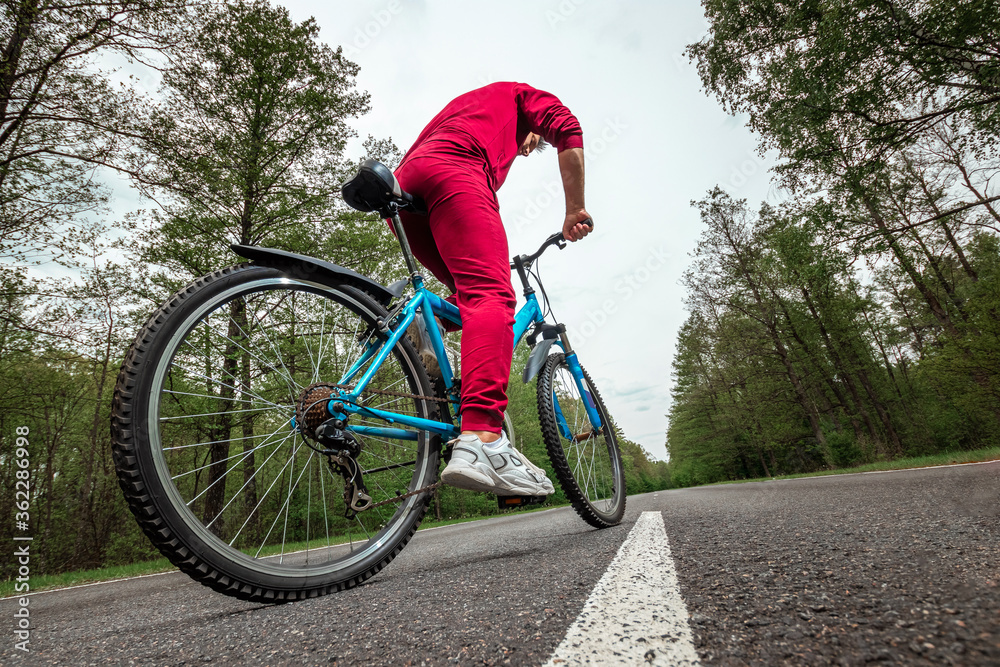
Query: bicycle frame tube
374	357
529	314
440	428
437	306
445	310
391	433
376	354
440	307
380	352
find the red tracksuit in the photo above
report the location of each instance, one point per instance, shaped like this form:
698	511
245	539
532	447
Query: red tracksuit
456	165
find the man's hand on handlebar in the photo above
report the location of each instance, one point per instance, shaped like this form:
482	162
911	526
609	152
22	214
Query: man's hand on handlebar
577	225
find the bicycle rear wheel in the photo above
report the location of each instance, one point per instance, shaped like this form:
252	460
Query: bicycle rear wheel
210	458
587	461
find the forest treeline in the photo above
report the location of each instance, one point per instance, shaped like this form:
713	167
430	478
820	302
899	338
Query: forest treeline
231	122
859	318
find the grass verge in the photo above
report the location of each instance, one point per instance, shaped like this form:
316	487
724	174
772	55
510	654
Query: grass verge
67	579
950	458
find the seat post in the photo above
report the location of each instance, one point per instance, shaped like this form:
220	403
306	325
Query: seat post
397	225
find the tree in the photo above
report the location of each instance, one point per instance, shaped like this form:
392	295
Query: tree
885	113
60	116
729	242
875	73
247	146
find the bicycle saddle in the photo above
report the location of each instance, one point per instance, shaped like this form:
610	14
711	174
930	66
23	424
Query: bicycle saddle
375	188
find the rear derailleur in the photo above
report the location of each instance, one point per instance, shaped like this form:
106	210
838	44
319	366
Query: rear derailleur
340	447
341	451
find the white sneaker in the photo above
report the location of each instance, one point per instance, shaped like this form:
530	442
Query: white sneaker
494	468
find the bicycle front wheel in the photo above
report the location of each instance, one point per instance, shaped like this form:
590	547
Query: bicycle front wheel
586	460
210	457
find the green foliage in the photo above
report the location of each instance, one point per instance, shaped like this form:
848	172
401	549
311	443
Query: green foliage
792	359
867	74
60	115
247	146
788	363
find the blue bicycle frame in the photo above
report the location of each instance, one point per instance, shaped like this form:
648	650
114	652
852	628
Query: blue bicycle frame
427	304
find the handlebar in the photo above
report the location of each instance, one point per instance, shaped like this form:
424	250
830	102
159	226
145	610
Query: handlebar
556	239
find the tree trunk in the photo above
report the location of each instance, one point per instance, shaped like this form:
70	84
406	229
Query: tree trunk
935	264
760	456
249	443
86	492
914	329
980	197
215	495
858	404
932	301
801	395
739	251
932	202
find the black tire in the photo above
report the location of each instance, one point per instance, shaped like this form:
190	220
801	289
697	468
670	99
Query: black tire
589	469
217	370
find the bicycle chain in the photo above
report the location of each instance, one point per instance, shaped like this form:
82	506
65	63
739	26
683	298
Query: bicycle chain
404	496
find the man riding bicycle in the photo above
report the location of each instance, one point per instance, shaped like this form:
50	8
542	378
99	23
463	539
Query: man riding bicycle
456	166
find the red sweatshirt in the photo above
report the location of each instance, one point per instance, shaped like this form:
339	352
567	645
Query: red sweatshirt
488	125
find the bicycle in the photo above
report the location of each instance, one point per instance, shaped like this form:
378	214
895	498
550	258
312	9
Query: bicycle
277	436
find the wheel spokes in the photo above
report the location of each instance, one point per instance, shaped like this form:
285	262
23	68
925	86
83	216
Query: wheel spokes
587	450
228	397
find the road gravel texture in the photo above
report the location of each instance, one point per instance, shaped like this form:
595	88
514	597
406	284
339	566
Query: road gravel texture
898	568
496	592
892	568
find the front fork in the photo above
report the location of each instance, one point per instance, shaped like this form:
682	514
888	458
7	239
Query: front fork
588	400
569	355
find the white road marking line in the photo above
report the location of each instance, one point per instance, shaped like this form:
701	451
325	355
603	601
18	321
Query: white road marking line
944	465
635	615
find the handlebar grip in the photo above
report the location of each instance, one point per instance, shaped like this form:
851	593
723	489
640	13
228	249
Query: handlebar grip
588	221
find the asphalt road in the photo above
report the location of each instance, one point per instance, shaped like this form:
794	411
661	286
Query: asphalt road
892	568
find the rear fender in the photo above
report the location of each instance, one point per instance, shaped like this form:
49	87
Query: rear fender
325	270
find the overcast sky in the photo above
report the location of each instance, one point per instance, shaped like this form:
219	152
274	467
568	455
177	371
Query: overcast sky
654	142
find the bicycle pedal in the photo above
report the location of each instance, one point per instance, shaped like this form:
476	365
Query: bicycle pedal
514	502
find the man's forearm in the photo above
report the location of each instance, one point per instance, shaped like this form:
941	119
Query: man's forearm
571	168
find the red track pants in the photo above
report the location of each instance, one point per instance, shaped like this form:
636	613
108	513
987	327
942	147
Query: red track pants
463	243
